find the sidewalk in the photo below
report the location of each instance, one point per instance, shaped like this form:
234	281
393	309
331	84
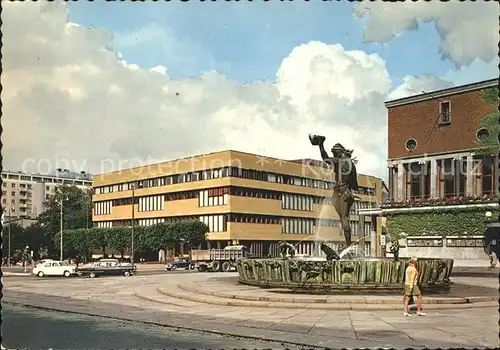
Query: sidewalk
476	271
113	297
150	267
7	273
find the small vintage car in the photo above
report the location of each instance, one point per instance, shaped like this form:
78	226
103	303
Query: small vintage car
180	264
54	268
107	267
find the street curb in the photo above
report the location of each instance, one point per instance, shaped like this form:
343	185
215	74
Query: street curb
234	335
192	288
465	303
7	274
323	306
137	295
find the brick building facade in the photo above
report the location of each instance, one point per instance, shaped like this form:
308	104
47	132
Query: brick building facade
433	141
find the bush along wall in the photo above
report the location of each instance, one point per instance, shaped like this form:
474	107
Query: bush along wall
440	222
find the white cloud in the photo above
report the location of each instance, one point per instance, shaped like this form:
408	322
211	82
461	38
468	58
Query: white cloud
71	101
468	30
476	71
417	85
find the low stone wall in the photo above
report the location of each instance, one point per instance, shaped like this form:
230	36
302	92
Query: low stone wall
365	274
464	250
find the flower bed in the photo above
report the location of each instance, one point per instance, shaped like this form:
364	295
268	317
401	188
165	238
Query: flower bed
441	201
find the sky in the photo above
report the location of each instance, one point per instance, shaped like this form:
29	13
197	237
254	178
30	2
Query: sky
106	85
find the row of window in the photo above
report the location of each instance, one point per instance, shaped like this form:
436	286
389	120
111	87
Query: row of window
361	205
223	172
103	224
124	201
152	203
165	180
356	229
297	226
452	177
218	222
290	201
177	196
254	192
103	208
210	198
215	223
297	202
328	223
150	222
144	222
254	219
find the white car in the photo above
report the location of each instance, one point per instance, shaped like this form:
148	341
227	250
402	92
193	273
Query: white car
54	268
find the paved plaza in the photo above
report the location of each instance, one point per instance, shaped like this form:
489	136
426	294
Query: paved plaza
214	302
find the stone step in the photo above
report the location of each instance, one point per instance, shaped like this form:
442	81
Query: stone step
152	295
181	293
258	296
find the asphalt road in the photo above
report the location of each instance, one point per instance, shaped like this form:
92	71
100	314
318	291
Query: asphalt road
145	272
30	328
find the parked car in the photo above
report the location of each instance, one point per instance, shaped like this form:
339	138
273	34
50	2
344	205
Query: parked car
107	267
54	268
180	264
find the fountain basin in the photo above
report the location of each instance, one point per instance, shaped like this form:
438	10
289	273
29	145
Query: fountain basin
364	274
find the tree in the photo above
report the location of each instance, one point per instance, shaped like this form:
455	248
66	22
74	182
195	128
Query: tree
98	239
77	212
70	244
142	240
118	239
35	237
17	240
82	242
490	145
192	232
162	235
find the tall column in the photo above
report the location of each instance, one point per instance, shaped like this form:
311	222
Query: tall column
434	177
469	185
391	183
401	183
361	232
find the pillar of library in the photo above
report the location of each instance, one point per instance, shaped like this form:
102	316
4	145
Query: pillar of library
434	178
469	189
401	182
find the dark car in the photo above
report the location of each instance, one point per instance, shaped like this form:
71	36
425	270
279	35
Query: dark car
107	267
180	264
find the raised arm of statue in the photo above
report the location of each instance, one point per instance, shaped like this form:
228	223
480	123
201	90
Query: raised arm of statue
318	140
324	153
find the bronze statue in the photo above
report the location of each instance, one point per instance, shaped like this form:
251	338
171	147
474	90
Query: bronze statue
395	250
345	180
286	249
331	254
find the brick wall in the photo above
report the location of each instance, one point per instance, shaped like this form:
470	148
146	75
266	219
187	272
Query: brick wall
417	120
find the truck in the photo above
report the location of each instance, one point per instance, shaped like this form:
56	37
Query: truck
218	259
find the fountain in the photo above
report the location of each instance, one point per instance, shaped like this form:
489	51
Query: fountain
344	271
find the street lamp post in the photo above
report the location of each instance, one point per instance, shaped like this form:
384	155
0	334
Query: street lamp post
133	225
9	222
8	257
61	228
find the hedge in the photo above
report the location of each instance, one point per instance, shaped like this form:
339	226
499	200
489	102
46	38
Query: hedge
439	222
82	242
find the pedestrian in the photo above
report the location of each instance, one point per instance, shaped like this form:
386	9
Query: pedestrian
411	288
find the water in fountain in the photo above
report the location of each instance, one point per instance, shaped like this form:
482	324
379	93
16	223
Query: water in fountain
353	251
317	238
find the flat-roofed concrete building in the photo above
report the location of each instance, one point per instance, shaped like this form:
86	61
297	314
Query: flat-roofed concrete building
23	194
240	196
